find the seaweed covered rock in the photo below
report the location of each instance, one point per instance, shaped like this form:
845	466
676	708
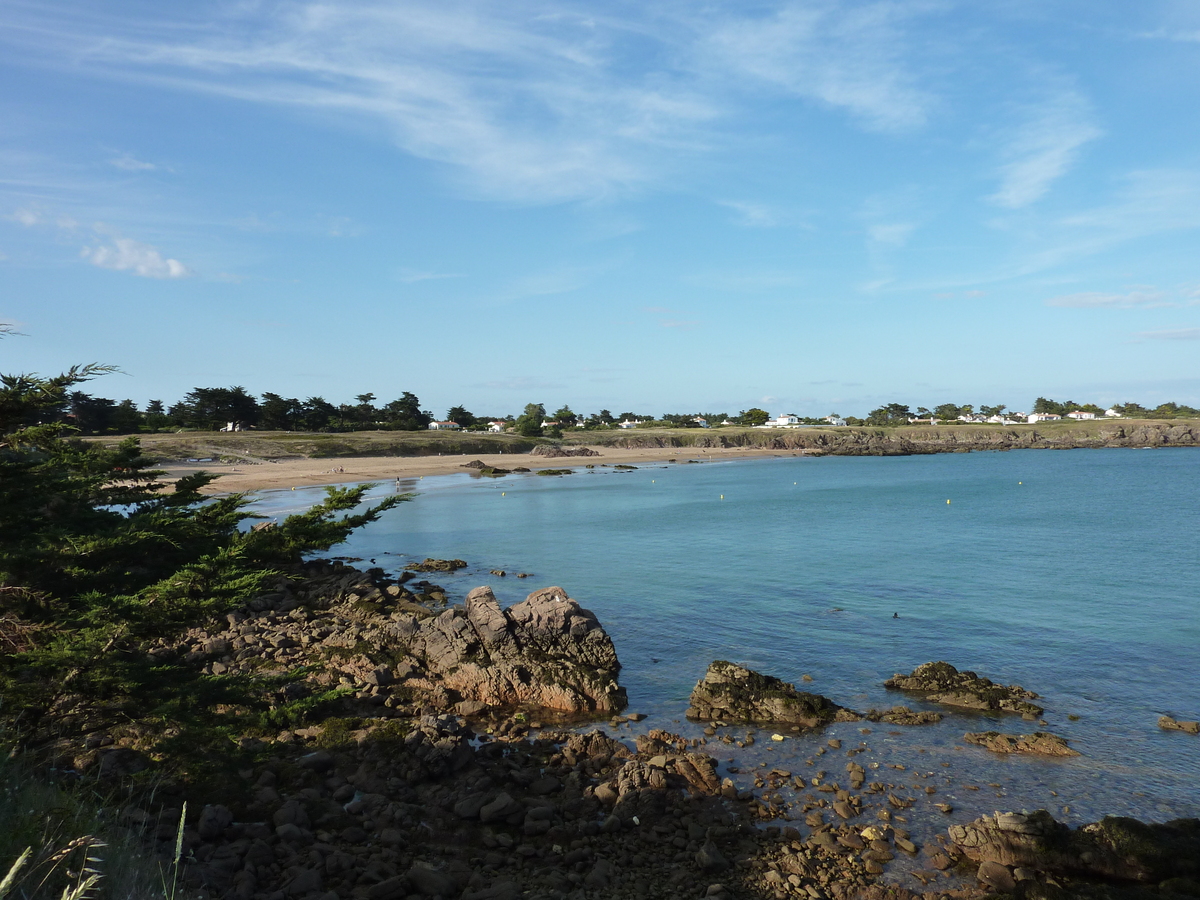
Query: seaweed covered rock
1040	743
729	692
437	565
1115	848
940	682
546	651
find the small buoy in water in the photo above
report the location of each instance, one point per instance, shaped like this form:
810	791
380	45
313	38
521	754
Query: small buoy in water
1020	482
722	496
947	501
503	493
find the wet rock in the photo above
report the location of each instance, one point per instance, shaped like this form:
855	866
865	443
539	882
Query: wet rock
1040	743
1169	724
437	565
729	692
903	715
940	682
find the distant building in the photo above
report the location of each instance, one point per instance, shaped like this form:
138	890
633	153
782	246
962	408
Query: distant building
1042	417
1112	413
1080	414
703	423
444	426
835	420
783	421
627	424
232	426
497	427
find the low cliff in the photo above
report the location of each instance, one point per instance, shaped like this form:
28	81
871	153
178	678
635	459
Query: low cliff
907	441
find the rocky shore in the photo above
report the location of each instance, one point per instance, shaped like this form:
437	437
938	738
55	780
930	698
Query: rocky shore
442	765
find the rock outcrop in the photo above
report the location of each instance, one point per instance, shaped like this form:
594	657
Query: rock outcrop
398	652
941	683
1114	848
731	693
553	451
546	651
1040	743
437	565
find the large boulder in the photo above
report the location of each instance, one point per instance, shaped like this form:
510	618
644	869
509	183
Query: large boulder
546	651
1113	848
731	693
940	682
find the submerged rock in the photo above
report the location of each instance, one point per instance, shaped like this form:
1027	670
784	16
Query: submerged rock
1040	743
731	693
940	682
903	715
1169	724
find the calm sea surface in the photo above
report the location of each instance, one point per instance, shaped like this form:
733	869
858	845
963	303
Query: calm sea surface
1073	573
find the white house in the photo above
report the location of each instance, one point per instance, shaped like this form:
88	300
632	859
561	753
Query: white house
784	421
703	423
1080	414
497	427
835	420
1112	413
1042	417
444	426
627	424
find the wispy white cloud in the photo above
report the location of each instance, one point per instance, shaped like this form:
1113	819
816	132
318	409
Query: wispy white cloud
1175	334
26	217
122	254
128	163
680	324
753	215
522	101
846	57
1043	148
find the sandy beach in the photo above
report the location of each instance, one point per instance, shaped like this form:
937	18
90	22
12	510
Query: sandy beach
275	475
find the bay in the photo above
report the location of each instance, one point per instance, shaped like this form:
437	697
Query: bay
1073	573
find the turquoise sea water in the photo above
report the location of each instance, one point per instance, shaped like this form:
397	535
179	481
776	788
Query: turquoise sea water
1073	573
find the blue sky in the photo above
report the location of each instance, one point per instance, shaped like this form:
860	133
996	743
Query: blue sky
806	206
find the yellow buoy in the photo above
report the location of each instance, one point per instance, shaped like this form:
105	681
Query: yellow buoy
722	496
503	493
1020	482
947	501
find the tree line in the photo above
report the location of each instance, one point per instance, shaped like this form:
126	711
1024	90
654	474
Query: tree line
212	408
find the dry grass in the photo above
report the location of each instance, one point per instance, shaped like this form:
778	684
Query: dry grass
56	843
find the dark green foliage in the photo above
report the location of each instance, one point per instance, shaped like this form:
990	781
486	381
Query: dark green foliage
753	416
97	556
891	414
529	423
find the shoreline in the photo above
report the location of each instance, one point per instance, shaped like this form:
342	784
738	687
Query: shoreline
269	475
